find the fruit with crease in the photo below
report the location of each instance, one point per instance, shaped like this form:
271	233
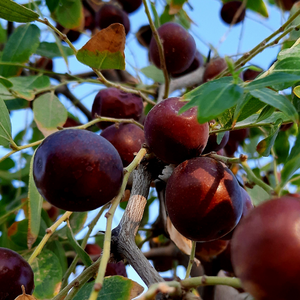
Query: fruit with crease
114	103
77	170
172	137
203	199
179	48
14	272
265	250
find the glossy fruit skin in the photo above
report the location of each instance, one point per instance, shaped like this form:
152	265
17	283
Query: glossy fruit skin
109	14
126	138
130	5
229	10
212	144
235	138
174	138
72	35
77	170
196	63
14	272
112	102
203	199
179	48
265	250
247	206
214	68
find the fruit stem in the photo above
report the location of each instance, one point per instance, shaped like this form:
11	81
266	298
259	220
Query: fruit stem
160	50
83	244
107	237
62	36
103	80
46	237
227	160
252	177
191	260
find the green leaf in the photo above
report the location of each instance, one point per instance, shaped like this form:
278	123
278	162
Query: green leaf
82	254
47	275
5	125
292	163
16	104
278	79
154	73
165	16
7	164
256	5
295	34
265	113
49	113
69	13
51	50
3	36
290	52
258	195
52	4
176	6
11	11
4	81
282	147
19	47
210	98
265	145
114	288
77	221
35	201
288	65
101	53
183	19
57	248
276	100
155	14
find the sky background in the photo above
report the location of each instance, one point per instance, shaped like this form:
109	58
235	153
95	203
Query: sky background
207	29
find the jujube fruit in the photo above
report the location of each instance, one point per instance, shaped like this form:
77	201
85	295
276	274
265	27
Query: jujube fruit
212	144
77	170
174	138
249	74
196	64
14	272
203	199
214	68
144	35
109	14
114	103
286	4
265	250
208	250
230	9
130	5
126	138
179	48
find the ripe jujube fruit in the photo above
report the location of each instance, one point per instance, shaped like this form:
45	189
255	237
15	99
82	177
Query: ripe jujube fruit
196	63
229	11
265	250
114	103
249	75
130	5
214	68
109	14
179	48
144	35
286	4
14	272
208	250
77	170
174	138
126	138
71	34
212	144
203	199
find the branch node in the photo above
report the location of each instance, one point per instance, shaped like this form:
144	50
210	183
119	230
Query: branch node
49	231
97	287
107	215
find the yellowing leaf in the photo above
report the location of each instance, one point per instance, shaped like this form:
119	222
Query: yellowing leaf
105	50
296	91
176	6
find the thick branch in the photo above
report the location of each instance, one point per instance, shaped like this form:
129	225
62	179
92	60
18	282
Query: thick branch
194	78
123	235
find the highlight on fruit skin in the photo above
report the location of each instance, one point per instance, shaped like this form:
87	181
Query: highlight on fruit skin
14	272
179	48
174	138
77	170
265	250
203	199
